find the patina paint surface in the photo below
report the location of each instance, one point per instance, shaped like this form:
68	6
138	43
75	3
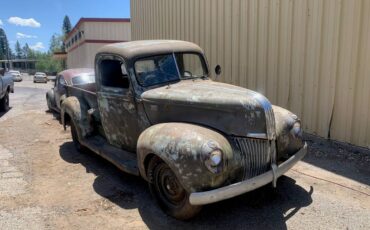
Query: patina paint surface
120	119
184	147
230	109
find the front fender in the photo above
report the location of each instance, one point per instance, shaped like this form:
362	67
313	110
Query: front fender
181	146
50	96
288	140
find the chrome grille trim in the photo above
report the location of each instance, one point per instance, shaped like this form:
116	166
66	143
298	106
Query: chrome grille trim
256	155
269	115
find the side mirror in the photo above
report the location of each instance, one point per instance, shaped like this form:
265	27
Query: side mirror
218	70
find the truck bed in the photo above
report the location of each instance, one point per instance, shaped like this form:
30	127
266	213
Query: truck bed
85	93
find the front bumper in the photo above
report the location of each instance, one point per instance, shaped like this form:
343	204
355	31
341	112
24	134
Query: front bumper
223	193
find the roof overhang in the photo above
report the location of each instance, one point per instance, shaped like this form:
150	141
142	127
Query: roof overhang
60	55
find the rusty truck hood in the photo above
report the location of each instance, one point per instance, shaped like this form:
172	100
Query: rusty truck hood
230	109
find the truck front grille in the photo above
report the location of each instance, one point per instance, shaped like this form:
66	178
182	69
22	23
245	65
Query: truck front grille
256	155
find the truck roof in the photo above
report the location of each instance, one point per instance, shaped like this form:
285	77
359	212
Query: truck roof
142	48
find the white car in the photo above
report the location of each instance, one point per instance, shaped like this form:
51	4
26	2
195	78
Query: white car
40	77
17	76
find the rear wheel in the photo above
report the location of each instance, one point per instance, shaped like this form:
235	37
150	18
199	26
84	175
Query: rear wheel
4	103
168	192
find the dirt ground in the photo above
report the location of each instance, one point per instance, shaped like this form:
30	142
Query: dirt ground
46	184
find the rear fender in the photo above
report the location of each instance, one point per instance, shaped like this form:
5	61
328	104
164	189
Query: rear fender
184	148
71	108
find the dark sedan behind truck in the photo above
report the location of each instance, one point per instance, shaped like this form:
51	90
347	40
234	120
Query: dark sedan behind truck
69	77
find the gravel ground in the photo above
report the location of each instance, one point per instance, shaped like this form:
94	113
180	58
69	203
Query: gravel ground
46	184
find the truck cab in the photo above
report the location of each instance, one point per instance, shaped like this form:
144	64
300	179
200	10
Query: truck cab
153	111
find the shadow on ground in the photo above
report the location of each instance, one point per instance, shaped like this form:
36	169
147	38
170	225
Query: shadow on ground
265	208
3	113
55	114
339	158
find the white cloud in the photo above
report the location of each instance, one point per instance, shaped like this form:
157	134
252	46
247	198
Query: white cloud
24	22
1	23
20	35
38	46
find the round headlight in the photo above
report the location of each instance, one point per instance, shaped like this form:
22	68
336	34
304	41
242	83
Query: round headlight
297	130
213	161
215	158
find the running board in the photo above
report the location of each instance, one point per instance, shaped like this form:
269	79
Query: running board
124	160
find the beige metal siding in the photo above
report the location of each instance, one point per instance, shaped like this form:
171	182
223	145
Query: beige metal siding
310	56
77	57
95	35
108	30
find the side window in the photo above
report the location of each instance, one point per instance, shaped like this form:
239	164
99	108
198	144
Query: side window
61	81
113	74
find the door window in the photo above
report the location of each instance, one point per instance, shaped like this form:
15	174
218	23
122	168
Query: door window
113	74
61	82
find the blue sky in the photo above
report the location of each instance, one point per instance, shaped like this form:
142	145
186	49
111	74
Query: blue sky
48	17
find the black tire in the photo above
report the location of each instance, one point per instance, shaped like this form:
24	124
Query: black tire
49	104
168	192
75	140
4	103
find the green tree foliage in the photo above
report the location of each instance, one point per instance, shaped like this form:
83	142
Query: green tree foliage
67	27
4	46
28	52
18	51
46	63
56	43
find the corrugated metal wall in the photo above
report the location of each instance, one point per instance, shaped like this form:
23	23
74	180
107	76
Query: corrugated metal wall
310	56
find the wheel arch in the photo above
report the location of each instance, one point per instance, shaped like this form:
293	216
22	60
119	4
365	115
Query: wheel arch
181	147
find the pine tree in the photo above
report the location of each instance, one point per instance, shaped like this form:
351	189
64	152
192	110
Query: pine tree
55	43
28	52
18	50
67	27
4	46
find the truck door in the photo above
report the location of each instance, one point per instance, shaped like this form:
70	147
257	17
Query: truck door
116	103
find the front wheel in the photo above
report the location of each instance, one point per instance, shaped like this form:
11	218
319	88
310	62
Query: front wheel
4	103
168	192
49	104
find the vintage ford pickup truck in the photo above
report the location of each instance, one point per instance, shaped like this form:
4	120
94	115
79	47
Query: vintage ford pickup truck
153	111
6	87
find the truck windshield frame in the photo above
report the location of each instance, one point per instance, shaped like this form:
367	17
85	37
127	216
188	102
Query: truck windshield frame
168	68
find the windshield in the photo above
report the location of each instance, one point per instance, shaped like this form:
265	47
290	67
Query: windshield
83	79
168	68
